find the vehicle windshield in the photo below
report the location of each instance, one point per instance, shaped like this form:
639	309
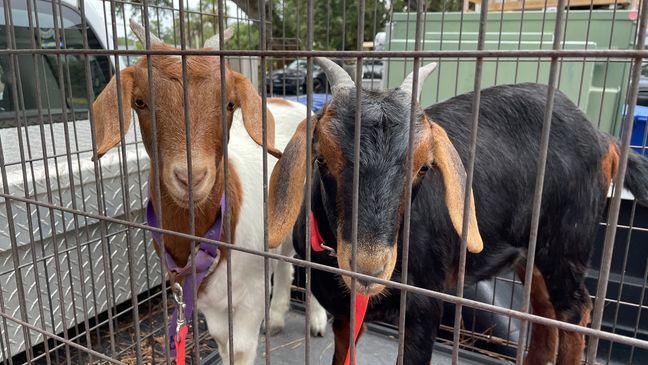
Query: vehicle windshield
300	65
40	75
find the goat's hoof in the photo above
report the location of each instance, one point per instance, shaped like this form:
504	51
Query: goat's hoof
274	330
275	326
318	323
318	332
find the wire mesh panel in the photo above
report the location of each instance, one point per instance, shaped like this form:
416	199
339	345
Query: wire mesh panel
158	206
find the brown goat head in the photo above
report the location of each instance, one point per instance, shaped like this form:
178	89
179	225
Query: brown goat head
203	85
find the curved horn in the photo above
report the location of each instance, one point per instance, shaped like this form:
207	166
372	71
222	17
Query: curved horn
424	72
140	32
337	77
214	43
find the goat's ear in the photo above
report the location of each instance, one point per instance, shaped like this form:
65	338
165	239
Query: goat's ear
287	188
452	170
246	97
106	111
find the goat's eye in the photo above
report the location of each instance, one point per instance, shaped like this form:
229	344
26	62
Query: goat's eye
230	107
320	161
139	103
424	169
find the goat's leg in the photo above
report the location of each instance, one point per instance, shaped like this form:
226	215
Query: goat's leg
544	339
283	276
564	274
572	344
247	322
341	329
422	322
318	319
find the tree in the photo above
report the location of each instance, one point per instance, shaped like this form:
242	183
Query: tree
430	5
335	22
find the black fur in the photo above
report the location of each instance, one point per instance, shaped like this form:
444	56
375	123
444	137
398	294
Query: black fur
510	126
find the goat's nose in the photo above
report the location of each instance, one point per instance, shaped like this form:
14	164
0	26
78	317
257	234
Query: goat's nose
197	176
375	271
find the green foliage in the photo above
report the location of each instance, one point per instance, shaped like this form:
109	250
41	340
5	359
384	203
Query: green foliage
335	22
430	5
246	36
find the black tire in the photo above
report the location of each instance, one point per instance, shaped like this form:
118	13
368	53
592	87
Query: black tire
318	85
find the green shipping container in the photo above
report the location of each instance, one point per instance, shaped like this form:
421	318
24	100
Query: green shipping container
597	85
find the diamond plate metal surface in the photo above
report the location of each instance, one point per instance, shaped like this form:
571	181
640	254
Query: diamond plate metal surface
52	238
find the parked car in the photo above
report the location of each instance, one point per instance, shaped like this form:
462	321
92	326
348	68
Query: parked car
642	97
372	68
292	79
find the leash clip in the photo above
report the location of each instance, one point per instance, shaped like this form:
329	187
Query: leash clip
330	250
178	297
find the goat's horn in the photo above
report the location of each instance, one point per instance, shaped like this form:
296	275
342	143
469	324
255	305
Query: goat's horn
139	31
337	77
214	43
424	72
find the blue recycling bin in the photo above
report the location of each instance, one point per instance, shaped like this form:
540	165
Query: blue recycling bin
639	129
319	100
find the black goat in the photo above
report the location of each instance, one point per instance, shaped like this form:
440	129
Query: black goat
580	166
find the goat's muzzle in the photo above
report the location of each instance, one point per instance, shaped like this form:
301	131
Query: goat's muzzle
372	259
200	184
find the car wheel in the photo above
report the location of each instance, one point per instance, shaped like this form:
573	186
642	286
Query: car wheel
318	86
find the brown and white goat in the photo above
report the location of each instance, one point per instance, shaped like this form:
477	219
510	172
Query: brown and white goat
245	180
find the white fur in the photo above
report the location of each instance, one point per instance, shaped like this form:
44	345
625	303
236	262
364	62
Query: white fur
248	270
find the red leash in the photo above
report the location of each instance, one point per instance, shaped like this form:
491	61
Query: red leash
181	340
362	301
360	310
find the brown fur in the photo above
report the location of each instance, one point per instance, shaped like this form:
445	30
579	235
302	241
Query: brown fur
572	344
290	170
286	183
454	181
251	107
203	85
172	215
328	146
544	339
107	132
279	101
610	163
422	151
368	260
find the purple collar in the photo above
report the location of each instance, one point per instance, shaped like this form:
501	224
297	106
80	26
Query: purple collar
205	257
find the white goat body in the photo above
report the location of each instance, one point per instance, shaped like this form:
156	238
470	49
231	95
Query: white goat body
247	269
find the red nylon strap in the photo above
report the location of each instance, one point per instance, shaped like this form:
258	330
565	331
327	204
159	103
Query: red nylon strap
316	239
362	301
360	310
181	340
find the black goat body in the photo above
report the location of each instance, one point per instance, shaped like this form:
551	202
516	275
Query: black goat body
575	190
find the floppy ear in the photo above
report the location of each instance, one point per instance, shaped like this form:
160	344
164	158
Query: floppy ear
447	160
106	113
286	191
246	97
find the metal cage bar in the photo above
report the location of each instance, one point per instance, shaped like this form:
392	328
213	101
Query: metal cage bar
65	233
